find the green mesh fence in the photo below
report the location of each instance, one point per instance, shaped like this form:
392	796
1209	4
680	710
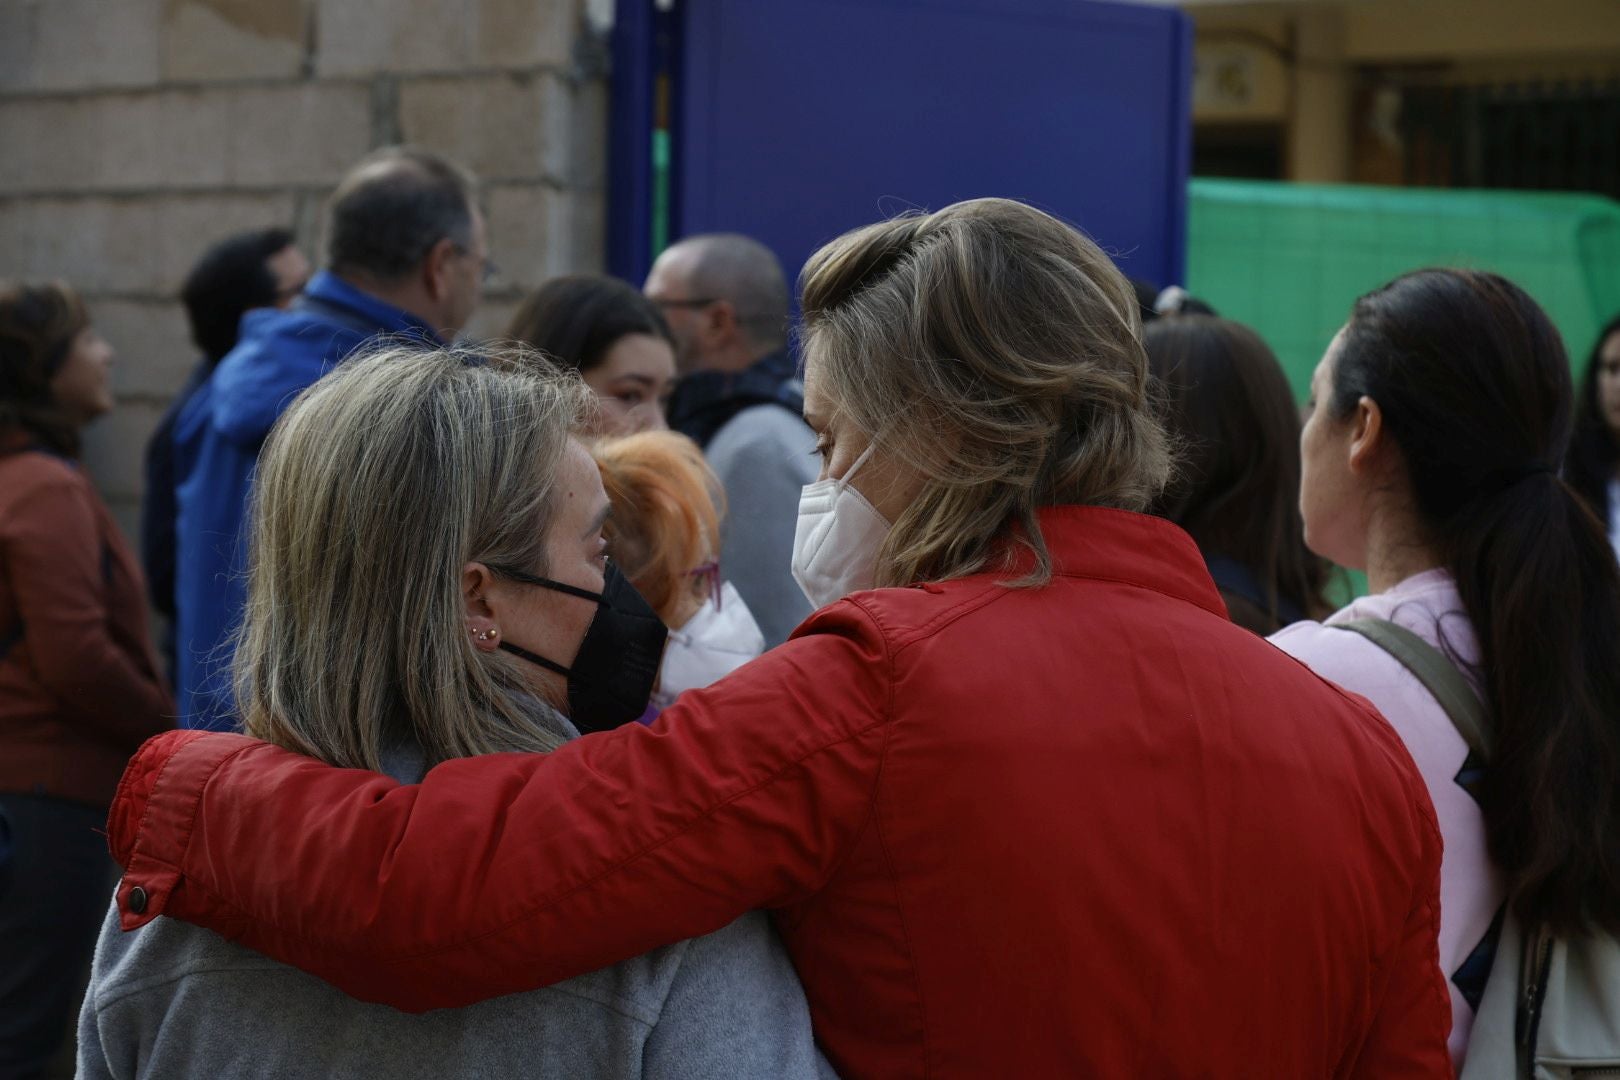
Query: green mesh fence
1290	259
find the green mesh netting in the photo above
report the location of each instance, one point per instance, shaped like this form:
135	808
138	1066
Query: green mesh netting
1290	259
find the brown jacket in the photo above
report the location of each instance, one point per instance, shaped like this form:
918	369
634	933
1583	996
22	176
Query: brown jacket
79	683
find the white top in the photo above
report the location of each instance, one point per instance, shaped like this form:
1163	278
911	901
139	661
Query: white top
1614	516
1427	604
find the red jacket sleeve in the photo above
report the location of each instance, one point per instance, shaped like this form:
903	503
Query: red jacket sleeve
55	562
506	872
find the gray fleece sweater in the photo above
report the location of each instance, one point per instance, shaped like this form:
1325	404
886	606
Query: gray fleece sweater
173	1000
763	457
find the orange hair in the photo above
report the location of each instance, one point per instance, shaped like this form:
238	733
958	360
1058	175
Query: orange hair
667	505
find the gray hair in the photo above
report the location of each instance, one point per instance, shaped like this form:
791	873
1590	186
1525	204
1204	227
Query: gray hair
392	207
375	488
743	271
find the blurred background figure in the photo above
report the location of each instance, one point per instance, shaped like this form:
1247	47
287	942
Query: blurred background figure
1226	402
258	269
1440	414
740	399
665	536
79	682
1593	465
616	338
1174	300
405	256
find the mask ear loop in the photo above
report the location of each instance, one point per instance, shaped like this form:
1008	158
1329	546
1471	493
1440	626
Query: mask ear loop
860	459
534	658
546	583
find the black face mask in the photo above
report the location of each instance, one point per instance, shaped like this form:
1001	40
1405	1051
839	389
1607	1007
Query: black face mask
617	664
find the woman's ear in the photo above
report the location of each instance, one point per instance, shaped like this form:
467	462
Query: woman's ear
482	625
1367	436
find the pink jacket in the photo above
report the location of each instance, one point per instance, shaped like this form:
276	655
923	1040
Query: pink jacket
1427	604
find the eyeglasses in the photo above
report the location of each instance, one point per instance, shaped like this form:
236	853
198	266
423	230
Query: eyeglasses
708	576
487	268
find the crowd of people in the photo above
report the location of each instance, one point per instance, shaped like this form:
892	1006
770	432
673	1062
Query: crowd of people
949	688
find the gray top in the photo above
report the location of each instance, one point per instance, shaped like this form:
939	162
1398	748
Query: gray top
763	456
173	1000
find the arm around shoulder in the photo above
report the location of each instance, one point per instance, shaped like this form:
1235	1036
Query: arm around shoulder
506	872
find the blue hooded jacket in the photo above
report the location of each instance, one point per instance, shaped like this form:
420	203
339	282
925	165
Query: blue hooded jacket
216	442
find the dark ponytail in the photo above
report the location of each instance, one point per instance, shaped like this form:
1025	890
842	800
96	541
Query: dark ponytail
1474	386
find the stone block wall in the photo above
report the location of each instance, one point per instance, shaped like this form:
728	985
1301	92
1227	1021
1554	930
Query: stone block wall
138	132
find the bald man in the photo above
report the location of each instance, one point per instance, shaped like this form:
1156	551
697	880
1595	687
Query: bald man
740	398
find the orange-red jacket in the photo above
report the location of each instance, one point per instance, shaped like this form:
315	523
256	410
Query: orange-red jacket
1092	829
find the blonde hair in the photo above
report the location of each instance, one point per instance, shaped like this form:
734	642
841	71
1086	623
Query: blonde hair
667	506
997	351
374	489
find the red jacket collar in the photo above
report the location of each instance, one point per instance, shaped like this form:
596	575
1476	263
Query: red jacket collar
1118	545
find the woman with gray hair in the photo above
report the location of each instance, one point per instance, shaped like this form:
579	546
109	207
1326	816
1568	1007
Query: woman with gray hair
416	512
1023	800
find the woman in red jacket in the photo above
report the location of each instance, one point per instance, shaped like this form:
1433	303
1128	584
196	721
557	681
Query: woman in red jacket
79	687
1023	801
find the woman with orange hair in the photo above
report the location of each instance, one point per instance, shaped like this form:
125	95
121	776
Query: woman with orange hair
665	535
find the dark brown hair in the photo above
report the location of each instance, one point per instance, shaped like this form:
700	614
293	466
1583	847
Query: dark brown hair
577	318
1474	386
37	326
1226	402
1595	452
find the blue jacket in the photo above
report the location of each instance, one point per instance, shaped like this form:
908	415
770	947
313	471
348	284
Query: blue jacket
216	446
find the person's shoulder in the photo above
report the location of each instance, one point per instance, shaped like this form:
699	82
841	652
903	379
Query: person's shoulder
1342	657
738	956
906	615
282	355
27	469
274	339
744	959
158	955
636	988
30	475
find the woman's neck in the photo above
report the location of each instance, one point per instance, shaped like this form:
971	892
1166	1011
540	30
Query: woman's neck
1397	548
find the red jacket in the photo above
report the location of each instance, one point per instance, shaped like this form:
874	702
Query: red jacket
1087	830
79	683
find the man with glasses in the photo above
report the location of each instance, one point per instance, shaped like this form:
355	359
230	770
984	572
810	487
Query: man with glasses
406	256
726	300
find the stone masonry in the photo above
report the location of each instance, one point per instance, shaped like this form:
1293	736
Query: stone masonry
138	132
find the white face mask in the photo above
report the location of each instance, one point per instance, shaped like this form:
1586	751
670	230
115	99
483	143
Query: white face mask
836	542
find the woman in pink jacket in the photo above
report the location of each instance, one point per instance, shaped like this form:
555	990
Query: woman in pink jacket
1022	800
1439	416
